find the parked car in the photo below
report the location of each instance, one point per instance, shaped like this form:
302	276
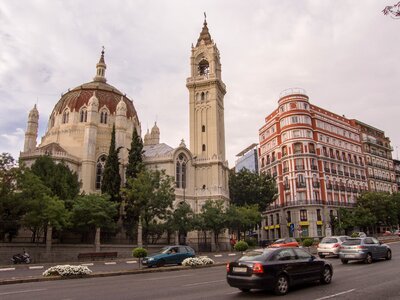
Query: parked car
330	245
168	255
277	269
286	242
397	232
364	249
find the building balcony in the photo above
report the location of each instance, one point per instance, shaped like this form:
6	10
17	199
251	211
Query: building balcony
342	188
358	176
327	170
352	175
346	173
315	168
315	184
329	186
340	173
333	171
336	187
299	168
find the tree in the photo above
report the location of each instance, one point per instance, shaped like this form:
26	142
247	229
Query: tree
149	196
11	208
393	11
111	183
62	182
181	219
242	218
213	218
93	211
42	208
248	188
135	156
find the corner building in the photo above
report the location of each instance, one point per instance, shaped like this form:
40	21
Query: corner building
317	160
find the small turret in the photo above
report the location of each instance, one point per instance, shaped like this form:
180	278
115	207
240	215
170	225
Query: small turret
155	134
101	69
31	130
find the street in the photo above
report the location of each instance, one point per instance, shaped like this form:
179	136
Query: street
353	281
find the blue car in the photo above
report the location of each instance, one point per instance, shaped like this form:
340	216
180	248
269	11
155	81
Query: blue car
168	255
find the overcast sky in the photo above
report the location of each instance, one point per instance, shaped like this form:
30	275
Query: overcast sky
344	53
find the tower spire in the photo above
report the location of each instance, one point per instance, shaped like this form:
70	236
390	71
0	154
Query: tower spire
101	68
204	34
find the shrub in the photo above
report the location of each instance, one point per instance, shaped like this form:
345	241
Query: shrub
67	270
197	261
139	252
241	246
354	235
252	242
308	242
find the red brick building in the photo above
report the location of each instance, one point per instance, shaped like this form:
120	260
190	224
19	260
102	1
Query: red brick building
318	159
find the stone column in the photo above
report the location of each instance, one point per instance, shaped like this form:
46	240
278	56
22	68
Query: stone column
140	233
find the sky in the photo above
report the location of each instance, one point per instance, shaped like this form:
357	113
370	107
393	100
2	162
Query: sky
344	53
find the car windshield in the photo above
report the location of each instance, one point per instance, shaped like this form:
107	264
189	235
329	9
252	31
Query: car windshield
328	241
280	241
352	242
255	255
164	250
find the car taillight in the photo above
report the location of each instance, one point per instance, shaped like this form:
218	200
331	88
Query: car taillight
336	245
258	268
361	247
227	267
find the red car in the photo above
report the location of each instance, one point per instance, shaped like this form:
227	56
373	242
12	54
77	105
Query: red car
286	242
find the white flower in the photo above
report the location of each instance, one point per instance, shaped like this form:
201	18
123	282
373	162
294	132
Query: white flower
67	270
197	261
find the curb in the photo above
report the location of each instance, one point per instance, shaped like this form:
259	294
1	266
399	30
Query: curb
105	274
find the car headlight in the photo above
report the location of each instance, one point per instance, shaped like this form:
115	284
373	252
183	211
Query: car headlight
150	259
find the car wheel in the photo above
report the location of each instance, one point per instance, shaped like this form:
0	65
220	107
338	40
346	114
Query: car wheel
161	263
321	255
388	255
344	261
326	276
368	259
245	290
281	285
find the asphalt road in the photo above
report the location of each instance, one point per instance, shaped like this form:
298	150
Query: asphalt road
379	280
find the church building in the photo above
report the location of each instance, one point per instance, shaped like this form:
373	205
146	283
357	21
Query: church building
80	125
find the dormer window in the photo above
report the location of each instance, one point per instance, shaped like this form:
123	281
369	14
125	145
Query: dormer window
204	67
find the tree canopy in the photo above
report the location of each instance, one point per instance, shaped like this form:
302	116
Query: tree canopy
135	156
249	188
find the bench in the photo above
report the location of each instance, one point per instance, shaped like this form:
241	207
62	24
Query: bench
97	255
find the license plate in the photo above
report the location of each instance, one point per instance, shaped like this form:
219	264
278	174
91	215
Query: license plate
326	253
239	270
349	255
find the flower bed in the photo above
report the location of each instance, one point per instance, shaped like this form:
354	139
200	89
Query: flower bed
67	271
197	261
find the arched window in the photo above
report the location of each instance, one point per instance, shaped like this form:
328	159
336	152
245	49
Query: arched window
103	117
83	115
180	177
203	128
65	117
101	162
203	96
203	67
204	147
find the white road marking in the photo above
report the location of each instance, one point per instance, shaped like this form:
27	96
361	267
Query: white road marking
218	255
131	262
205	282
110	263
7	269
24	291
166	277
231	254
36	267
338	294
88	264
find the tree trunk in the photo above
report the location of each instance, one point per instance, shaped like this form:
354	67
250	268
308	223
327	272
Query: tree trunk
97	240
139	233
49	238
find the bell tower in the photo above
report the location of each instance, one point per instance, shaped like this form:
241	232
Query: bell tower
206	109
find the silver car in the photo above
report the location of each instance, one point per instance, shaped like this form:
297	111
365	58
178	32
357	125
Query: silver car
365	249
330	245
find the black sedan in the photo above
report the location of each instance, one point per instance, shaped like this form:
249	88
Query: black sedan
277	269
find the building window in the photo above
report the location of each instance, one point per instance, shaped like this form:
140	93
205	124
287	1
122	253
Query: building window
203	67
180	177
297	148
303	215
203	128
101	162
311	148
319	230
103	117
83	115
203	148
304	231
289	216
284	151
319	217
65	117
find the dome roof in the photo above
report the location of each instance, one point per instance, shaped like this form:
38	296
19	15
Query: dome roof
106	94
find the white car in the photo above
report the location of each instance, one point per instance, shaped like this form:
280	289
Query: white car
330	245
